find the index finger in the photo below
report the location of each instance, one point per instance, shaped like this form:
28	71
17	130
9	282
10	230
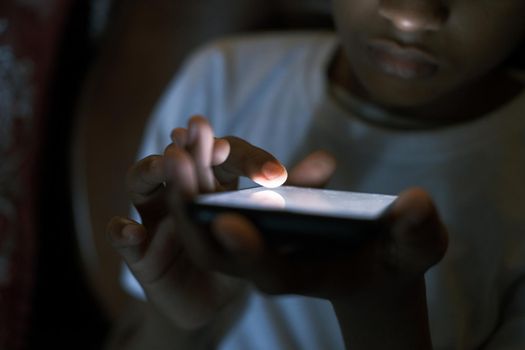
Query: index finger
253	162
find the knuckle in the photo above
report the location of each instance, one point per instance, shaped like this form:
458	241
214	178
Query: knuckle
137	170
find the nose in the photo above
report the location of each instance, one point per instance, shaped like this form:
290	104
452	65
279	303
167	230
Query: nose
414	15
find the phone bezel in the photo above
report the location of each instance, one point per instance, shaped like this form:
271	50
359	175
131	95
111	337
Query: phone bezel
311	234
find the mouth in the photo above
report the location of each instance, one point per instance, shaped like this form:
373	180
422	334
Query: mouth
405	62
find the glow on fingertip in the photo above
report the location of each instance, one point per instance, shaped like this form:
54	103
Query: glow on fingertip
273	183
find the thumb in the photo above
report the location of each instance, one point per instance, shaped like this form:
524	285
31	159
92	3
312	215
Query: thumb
315	170
418	238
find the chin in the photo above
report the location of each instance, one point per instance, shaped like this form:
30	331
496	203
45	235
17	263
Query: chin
399	93
397	98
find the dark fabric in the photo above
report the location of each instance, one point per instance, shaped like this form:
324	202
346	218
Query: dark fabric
28	47
66	314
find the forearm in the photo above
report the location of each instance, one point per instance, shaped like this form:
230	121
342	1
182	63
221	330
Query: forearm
395	322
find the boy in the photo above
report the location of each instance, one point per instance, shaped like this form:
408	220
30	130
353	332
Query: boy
412	93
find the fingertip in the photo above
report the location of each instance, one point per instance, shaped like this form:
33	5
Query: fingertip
144	177
179	136
196	125
415	205
128	238
114	226
273	170
133	234
273	174
221	151
123	232
197	118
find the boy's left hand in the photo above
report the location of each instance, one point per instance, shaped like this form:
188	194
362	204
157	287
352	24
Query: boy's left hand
415	241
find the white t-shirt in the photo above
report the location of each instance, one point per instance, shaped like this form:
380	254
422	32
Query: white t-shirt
272	90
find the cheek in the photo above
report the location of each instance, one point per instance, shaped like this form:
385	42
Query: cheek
354	19
482	40
352	15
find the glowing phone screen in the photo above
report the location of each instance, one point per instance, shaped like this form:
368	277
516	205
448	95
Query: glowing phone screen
339	204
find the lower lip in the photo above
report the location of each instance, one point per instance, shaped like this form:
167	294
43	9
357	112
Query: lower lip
402	64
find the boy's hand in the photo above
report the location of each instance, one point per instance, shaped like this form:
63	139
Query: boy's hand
415	240
378	292
166	253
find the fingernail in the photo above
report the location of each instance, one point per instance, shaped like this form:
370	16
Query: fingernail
272	170
131	235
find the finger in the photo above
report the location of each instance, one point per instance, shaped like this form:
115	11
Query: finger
313	171
180	171
144	178
128	238
250	161
419	237
161	253
200	146
198	245
248	258
238	236
179	136
221	147
145	185
221	151
148	258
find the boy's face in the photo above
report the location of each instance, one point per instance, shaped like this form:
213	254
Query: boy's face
408	53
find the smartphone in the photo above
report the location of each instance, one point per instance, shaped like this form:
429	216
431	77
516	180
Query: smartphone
297	219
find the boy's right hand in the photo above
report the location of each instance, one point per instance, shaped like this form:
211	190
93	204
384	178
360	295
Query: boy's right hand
194	163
